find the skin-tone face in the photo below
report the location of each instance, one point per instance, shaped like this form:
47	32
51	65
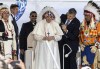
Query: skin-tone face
70	16
14	10
5	14
33	17
48	19
87	17
45	15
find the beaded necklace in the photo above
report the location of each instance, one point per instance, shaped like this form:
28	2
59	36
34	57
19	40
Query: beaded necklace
89	30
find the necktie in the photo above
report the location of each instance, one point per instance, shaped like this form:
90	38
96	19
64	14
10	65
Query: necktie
14	19
68	21
15	25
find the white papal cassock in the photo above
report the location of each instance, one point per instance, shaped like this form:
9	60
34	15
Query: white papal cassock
43	58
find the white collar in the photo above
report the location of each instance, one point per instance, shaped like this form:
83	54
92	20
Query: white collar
33	23
12	15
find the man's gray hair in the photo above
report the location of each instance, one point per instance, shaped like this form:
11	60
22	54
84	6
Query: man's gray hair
72	11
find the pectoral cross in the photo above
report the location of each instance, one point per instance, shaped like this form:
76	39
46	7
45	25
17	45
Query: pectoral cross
48	33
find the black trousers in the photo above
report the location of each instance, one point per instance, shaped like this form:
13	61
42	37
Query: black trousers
22	57
70	61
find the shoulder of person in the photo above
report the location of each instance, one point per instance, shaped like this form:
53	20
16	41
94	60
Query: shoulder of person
55	23
63	16
11	17
76	20
41	22
0	21
26	23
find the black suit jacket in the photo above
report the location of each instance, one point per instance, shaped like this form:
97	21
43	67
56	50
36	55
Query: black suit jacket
2	28
15	26
25	31
72	36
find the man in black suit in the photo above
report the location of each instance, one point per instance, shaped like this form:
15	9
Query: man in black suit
70	26
14	11
25	31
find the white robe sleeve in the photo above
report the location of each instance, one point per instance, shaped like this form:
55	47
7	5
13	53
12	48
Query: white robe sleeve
59	33
38	37
58	37
38	31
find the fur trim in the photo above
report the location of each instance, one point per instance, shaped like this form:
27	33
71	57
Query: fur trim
5	6
47	8
92	25
89	7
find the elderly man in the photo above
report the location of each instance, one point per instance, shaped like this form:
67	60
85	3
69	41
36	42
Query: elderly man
47	32
89	33
70	26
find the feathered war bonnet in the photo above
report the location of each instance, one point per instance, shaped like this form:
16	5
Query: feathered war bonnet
99	13
4	8
51	12
91	9
1	5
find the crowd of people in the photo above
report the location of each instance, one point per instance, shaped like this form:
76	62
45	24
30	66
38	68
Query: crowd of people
53	39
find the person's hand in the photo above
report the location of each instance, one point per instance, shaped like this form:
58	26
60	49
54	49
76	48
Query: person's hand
21	64
22	51
4	36
93	49
8	61
64	27
49	38
45	38
82	47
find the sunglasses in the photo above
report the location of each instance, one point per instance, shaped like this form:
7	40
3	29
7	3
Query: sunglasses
33	16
